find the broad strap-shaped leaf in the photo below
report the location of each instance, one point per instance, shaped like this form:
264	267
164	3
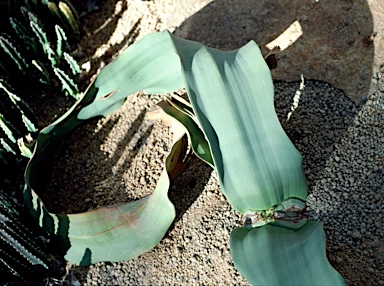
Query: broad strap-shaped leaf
114	233
232	96
138	226
272	255
150	65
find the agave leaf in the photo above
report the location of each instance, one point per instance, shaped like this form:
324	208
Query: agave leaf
118	232
183	105
232	96
272	255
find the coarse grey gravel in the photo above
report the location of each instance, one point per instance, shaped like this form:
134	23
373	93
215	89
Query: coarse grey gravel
343	155
342	146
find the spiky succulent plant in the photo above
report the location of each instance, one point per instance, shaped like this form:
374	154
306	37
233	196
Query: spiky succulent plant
23	249
34	50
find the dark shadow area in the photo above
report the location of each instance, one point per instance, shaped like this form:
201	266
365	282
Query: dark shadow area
64	192
110	54
332	46
60	196
188	187
317	127
98	25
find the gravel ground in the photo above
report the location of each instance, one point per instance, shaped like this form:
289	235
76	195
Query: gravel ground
119	158
342	146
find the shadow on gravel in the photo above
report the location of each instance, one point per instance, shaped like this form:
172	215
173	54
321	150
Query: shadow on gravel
98	23
188	187
332	43
61	197
66	193
319	122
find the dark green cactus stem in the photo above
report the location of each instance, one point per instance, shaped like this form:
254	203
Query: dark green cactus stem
28	123
75	68
18	28
5	8
33	46
69	14
23	34
28	117
23	257
61	41
62	17
3	158
10	49
7	147
67	83
8	129
29	16
41	35
45	75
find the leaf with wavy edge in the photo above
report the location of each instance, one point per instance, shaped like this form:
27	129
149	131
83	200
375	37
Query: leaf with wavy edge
112	233
272	255
118	232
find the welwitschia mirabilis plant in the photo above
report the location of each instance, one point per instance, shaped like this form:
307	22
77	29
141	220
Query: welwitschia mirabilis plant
232	125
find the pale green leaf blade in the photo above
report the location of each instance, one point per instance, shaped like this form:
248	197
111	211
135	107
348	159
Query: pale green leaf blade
199	144
272	255
112	233
150	65
232	96
121	232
